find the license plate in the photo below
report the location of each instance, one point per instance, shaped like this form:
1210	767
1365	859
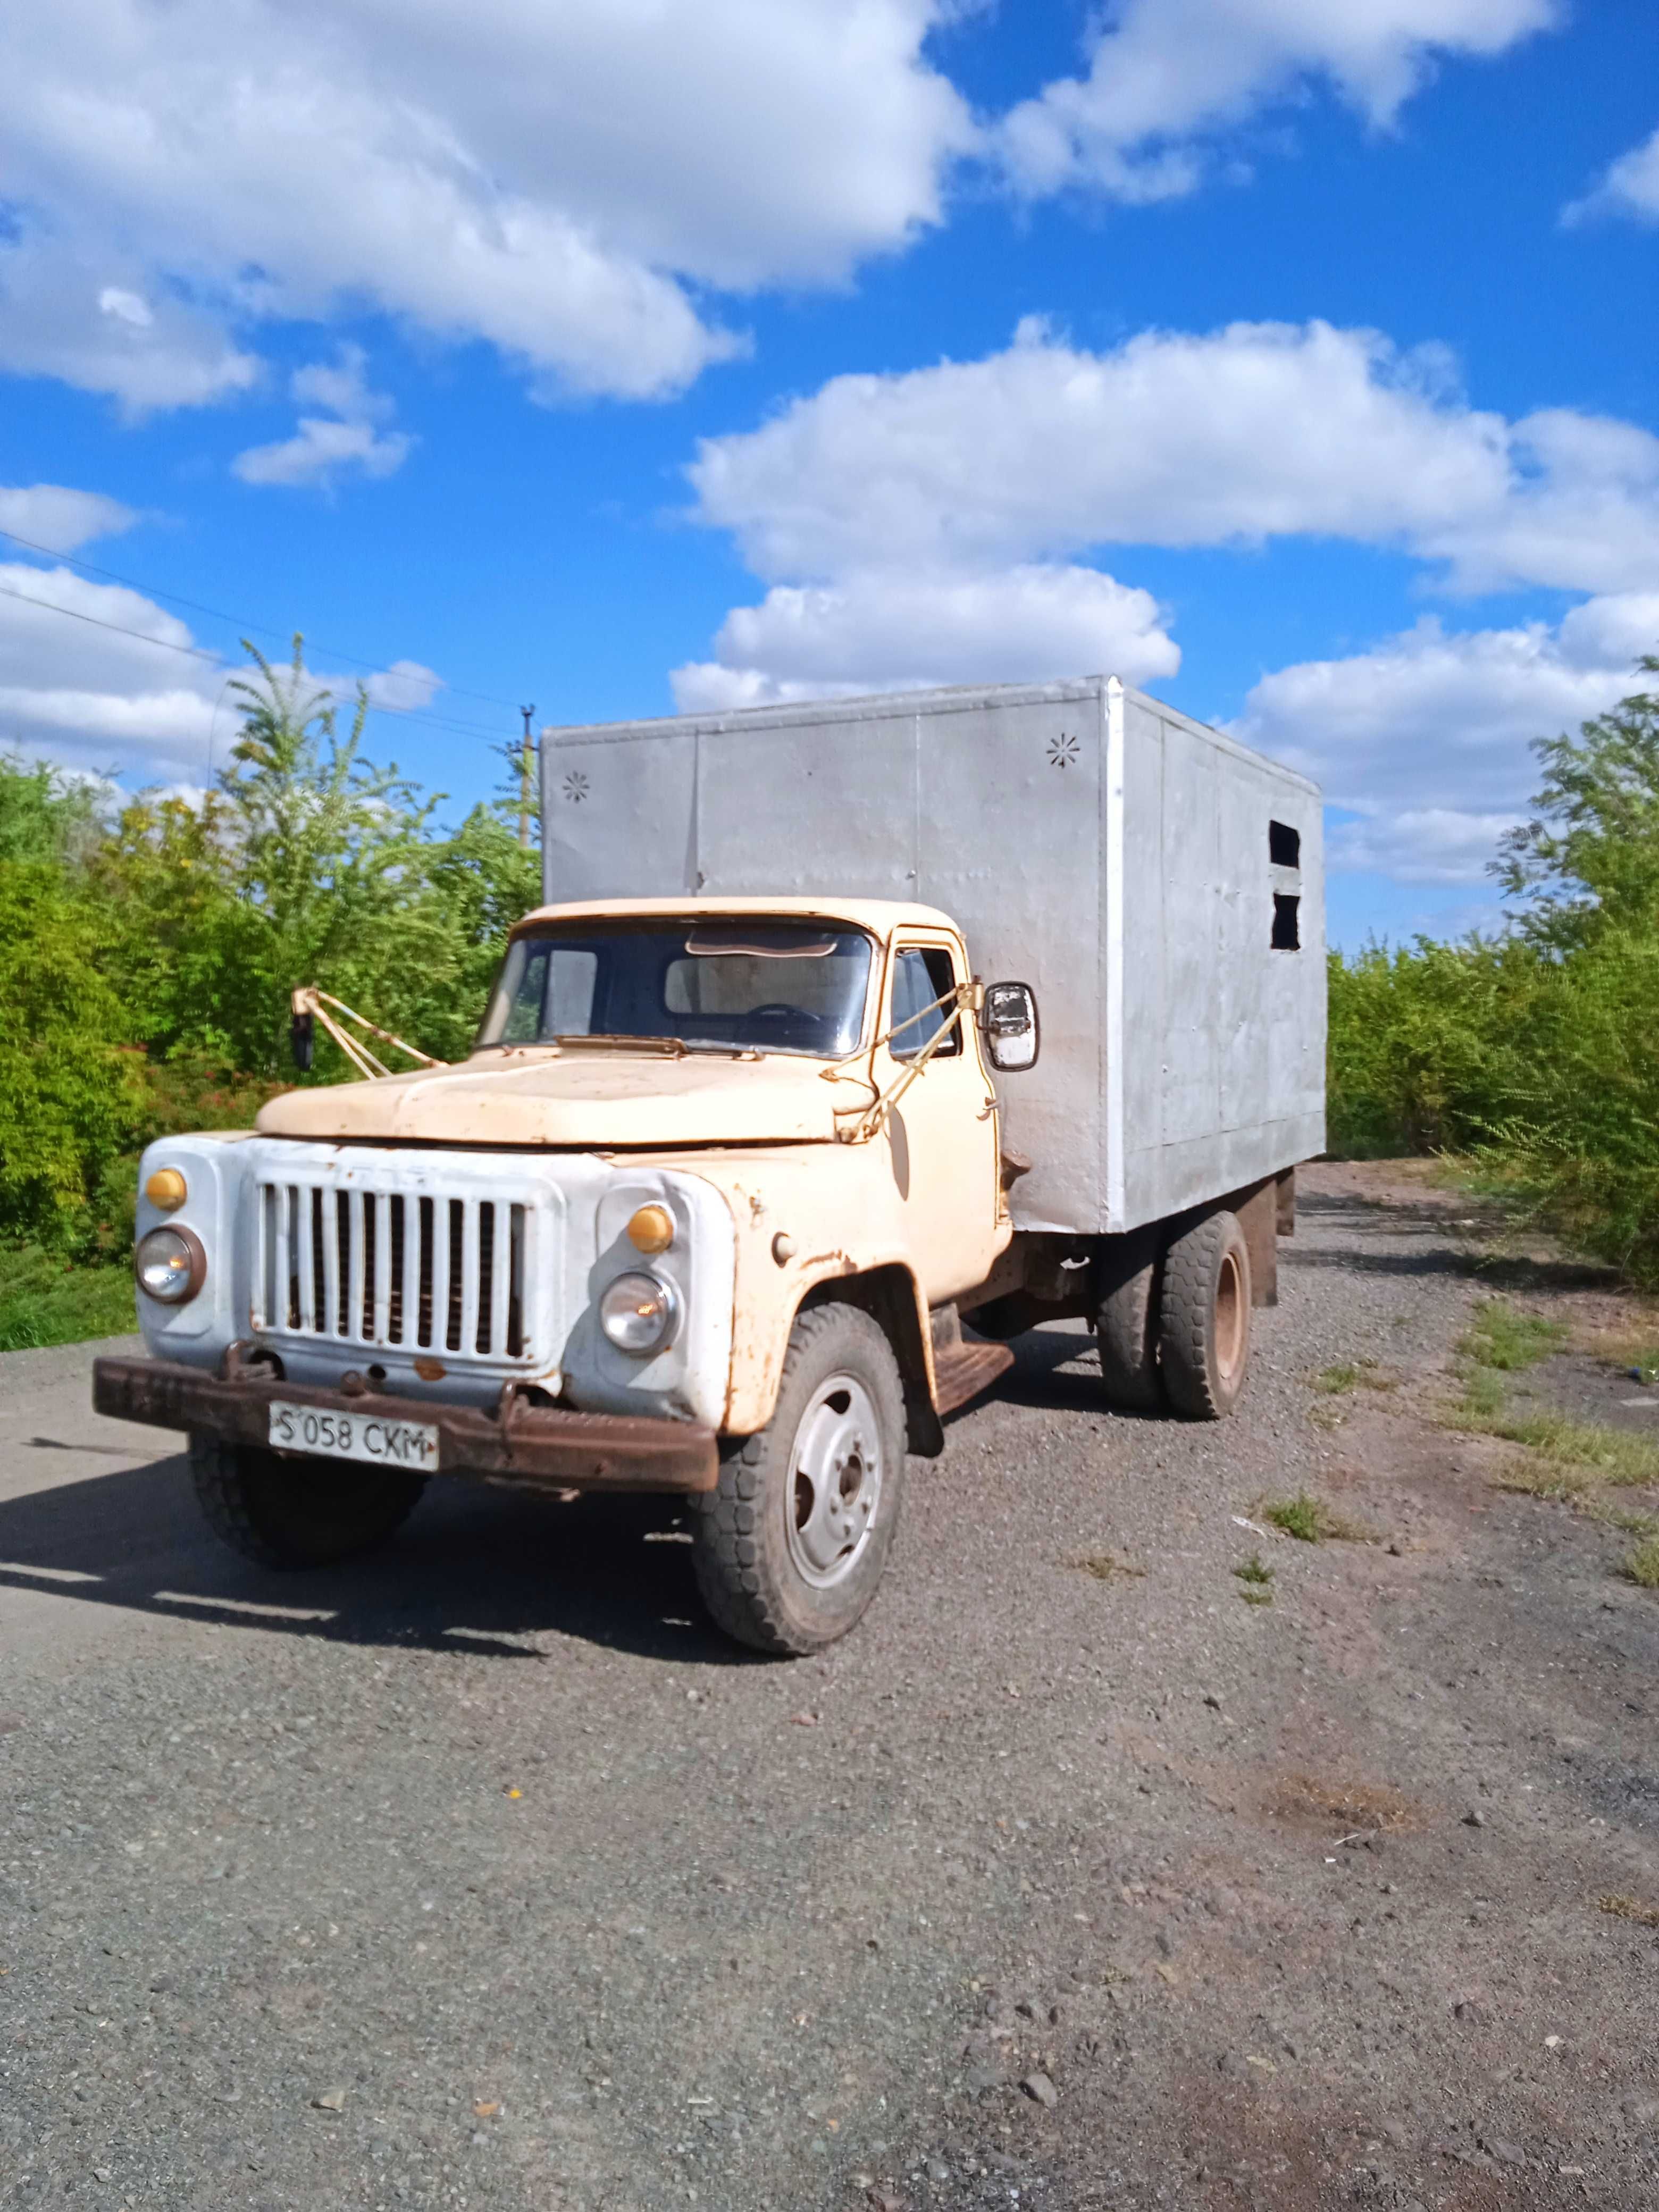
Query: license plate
371	1436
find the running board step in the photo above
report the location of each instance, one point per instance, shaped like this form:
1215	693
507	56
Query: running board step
966	1369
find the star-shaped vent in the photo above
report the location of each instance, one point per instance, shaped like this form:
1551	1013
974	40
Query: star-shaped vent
1062	751
575	786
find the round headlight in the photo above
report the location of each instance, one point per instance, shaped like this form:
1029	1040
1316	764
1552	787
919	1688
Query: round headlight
170	1265
639	1313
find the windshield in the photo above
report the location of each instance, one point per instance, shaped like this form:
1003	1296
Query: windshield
762	986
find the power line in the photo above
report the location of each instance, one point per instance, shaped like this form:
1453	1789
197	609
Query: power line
216	660
51	607
218	614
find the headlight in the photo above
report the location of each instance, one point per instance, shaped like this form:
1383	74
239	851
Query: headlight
170	1265
638	1313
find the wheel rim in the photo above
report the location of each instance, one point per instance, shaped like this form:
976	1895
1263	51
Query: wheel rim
1230	1318
835	1482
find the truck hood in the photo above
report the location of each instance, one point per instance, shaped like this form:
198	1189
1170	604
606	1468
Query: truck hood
587	1101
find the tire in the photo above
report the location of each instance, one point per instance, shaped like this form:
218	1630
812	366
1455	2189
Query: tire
787	1563
1203	1319
297	1512
1127	1332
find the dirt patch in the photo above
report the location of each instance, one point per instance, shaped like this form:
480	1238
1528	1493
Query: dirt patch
1361	1806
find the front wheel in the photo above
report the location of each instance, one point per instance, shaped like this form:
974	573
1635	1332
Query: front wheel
790	1546
297	1512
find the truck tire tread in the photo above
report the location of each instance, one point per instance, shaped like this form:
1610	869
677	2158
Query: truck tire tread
1195	1380
1126	1336
255	1501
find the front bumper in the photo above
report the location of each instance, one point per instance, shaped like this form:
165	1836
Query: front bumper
549	1447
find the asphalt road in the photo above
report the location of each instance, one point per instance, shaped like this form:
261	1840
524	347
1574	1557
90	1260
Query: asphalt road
484	1875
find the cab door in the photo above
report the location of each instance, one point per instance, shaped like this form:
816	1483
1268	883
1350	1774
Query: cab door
942	1135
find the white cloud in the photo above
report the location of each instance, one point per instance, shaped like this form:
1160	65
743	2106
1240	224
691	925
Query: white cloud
65	521
1045	451
324	446
1630	186
99	678
562	182
879	631
1424	739
402	689
1166	77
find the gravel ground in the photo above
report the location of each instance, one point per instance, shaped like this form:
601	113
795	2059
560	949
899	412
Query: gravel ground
486	1876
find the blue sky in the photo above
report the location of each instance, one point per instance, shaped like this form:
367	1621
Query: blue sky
1295	359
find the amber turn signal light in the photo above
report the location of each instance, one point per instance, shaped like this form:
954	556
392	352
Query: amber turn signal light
167	1189
652	1229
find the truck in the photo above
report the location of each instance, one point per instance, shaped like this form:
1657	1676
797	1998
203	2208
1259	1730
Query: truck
856	1038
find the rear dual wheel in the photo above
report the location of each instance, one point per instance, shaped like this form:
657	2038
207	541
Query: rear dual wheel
1174	1330
1204	1318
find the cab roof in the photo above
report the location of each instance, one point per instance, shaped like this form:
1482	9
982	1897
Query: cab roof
881	917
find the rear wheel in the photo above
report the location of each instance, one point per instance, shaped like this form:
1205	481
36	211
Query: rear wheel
789	1548
1204	1318
297	1512
1126	1331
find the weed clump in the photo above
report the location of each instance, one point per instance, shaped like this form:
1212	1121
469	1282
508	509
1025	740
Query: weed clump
1258	1581
1108	1567
1642	1567
1301	1516
1629	1908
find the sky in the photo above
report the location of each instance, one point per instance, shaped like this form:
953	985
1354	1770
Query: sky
1292	359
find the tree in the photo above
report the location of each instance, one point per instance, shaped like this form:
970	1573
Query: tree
1590	856
327	853
69	1100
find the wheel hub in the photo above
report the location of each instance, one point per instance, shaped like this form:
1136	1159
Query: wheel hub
836	1481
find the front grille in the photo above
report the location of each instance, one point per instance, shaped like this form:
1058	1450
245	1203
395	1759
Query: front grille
356	1265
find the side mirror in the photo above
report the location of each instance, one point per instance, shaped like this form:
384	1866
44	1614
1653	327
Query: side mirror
1011	1036
300	1039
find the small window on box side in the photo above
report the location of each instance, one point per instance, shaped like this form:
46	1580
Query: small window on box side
1287	924
1283	845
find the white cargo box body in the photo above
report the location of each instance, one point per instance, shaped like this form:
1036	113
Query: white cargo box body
1088	839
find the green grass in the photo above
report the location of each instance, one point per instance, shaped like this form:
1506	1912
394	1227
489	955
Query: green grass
1571	1457
1502	1337
1330	1381
1300	1517
44	1301
1258	1581
1352	1375
1310	1521
1643	1564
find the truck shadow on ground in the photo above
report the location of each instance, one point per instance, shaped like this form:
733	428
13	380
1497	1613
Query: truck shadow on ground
476	1569
1475	1262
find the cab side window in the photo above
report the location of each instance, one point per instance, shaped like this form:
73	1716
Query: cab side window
921	974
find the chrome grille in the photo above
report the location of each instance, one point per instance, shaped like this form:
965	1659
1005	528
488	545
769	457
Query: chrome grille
358	1266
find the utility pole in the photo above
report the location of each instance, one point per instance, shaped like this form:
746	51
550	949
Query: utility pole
524	758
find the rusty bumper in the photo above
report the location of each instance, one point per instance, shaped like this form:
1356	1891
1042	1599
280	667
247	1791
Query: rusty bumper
545	1446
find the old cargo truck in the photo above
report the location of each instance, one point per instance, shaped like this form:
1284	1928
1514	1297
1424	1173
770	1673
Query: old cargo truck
845	1025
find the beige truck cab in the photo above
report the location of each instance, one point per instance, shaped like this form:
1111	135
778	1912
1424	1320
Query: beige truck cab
706	1208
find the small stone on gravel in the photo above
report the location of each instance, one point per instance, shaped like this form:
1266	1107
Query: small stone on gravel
331	2100
1041	2090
